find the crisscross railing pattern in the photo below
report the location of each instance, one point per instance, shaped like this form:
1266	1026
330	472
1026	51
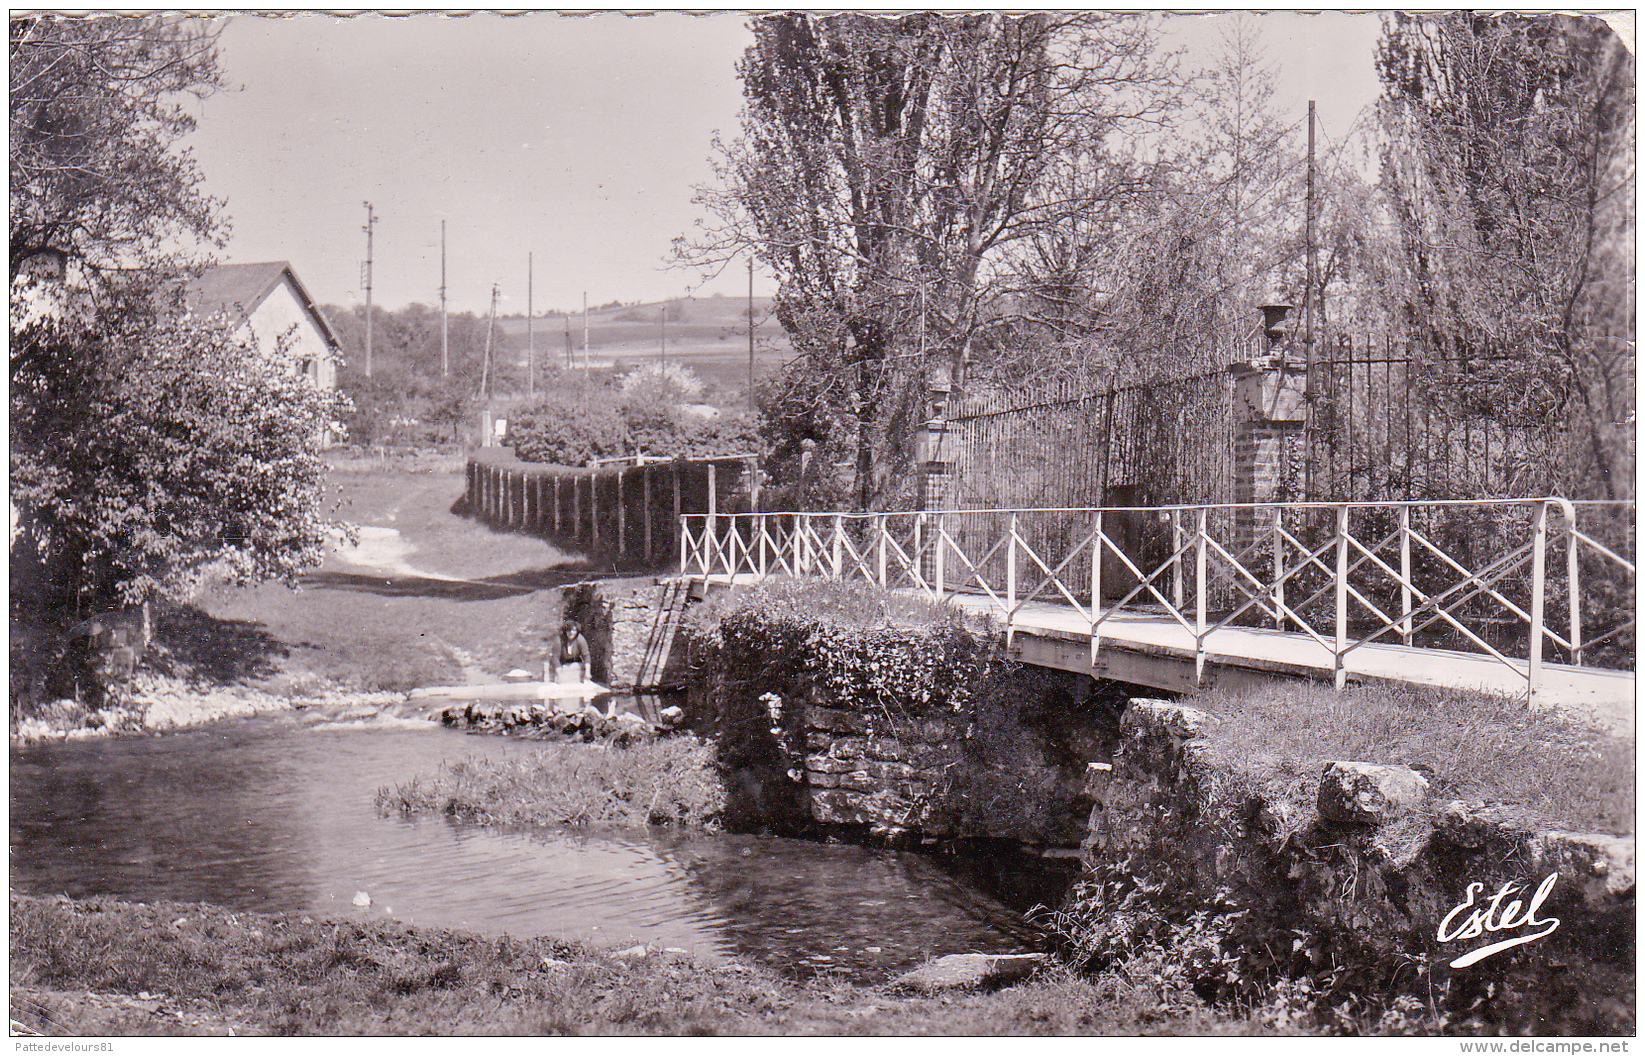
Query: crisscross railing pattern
1507	579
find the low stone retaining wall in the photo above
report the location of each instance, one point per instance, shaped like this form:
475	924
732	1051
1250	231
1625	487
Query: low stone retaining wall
1376	892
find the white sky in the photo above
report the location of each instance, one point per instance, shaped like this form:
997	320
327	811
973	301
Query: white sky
574	139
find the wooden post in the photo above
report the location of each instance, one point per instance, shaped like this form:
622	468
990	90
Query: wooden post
838	552
577	506
594	509
762	538
645	497
622	519
679	526
556	504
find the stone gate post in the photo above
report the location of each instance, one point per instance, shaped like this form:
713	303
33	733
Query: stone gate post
1269	415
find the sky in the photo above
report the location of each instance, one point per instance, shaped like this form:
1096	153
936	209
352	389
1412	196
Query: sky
575	141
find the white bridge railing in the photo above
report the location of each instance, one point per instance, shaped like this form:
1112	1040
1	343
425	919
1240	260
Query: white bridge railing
1495	577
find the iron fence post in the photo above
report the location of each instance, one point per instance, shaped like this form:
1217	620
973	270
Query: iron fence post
880	524
1011	583
1200	589
917	557
938	569
1338	663
1405	573
1279	568
1176	559
1539	560
711	541
1573	586
1096	587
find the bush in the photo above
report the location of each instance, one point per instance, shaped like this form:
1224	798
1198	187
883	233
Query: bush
582	422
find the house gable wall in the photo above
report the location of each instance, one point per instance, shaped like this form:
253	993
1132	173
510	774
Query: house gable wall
280	311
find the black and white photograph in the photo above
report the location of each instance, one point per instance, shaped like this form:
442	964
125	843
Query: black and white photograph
1106	524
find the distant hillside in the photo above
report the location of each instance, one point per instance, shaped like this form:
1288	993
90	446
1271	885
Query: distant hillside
708	334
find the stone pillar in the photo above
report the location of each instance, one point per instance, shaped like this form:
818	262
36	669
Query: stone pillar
1269	415
934	455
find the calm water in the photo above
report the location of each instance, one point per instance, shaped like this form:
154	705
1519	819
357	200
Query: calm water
273	814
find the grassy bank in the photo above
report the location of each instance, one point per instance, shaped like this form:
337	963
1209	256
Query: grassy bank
1550	771
670	781
105	968
455	602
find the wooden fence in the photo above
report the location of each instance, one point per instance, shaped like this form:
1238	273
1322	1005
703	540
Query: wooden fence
623	516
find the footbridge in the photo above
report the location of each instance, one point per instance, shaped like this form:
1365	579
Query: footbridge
1532	597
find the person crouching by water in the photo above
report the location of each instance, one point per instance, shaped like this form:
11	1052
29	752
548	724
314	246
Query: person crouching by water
572	659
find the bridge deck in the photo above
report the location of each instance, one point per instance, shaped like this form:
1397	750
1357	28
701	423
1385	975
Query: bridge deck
1154	649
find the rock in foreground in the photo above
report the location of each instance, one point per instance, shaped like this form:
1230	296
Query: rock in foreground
970	971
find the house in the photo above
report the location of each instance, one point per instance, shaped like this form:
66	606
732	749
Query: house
263	302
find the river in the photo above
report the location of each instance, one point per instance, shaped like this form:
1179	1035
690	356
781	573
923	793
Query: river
274	815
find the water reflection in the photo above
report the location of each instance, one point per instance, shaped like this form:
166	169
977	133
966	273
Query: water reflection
273	814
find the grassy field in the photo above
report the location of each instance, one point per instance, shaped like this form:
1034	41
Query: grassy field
463	603
707	334
110	969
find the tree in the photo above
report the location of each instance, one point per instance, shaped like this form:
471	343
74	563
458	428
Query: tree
146	447
1510	170
95	119
173	451
887	168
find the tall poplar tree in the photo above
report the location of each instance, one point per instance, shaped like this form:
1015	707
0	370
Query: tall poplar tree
1510	166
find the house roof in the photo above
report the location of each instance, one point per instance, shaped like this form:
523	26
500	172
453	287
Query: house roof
236	290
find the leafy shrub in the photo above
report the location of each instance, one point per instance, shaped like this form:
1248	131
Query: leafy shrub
581	422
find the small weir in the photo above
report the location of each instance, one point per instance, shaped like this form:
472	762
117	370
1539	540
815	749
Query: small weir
277	814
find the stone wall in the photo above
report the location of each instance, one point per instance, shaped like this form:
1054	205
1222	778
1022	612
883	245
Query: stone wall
632	628
1349	881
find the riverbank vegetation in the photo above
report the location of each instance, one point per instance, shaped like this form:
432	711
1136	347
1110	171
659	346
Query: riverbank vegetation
1548	769
660	782
104	968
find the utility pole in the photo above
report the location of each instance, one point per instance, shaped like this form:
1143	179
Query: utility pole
568	341
365	275
485	367
445	340
585	331
1308	320
662	333
530	335
751	333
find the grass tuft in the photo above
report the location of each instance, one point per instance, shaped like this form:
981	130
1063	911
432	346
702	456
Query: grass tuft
667	781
